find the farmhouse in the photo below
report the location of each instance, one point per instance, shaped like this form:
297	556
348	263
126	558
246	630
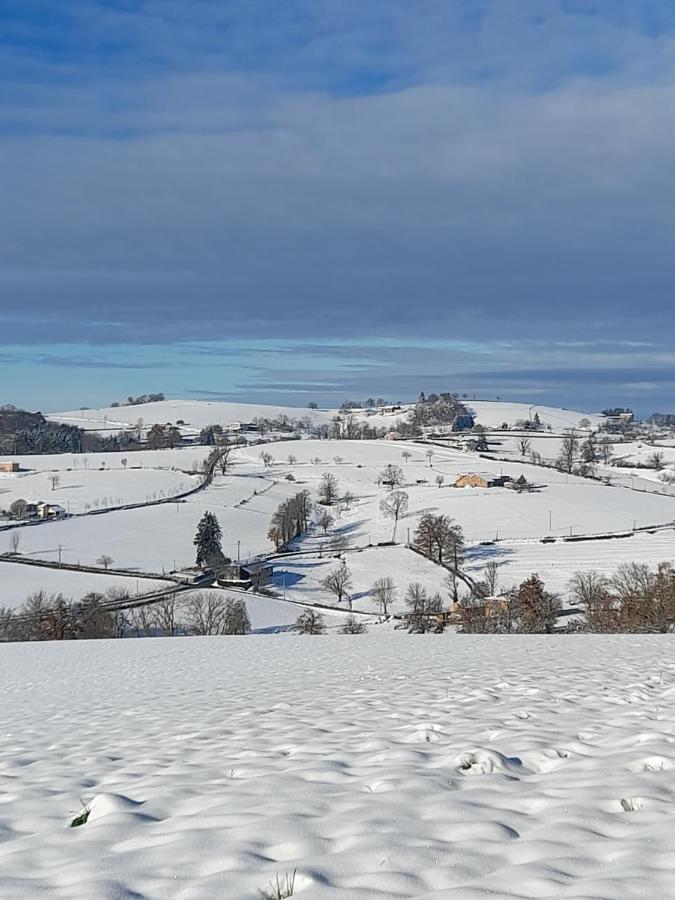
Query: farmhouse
50	511
9	466
238	575
471	481
195	574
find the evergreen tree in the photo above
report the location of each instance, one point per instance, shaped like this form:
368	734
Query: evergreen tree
208	540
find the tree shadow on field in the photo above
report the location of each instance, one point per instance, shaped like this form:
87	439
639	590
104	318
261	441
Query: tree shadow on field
485	553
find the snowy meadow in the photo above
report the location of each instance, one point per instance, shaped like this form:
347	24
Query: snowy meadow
376	766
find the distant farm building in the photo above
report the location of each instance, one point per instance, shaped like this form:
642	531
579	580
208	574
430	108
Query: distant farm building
50	511
245	576
195	574
475	481
9	467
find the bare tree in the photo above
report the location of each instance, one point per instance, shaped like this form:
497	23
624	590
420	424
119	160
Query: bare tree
291	459
426	613
310	622
224	460
606	450
491	577
440	540
328	488
384	592
440	480
353	626
348	498
430	456
406	454
569	450
236	617
267	459
142	621
204	613
9	626
524	445
395	507
165	614
324	520
14	541
55	480
105	561
391	475
338	582
656	460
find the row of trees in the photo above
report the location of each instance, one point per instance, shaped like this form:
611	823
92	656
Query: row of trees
291	519
53	617
142	398
634	599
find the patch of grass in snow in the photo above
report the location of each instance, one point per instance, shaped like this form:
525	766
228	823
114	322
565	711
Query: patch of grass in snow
81	817
280	888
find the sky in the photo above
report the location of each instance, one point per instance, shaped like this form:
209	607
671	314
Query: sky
321	199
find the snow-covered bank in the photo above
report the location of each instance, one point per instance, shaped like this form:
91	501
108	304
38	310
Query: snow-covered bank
382	765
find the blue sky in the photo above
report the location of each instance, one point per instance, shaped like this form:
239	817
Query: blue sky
326	198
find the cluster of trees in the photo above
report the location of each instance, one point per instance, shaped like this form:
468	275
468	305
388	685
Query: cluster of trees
142	398
30	433
582	456
438	409
664	419
346	427
634	599
438	538
160	437
52	617
526	609
291	519
312	622
533	424
370	403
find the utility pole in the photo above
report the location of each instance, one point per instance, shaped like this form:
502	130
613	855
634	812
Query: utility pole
238	551
550	521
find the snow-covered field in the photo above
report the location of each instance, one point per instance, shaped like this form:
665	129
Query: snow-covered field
493	414
79	490
17	582
556	563
372	766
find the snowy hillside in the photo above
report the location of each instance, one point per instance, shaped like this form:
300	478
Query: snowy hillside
159	538
196	414
372	766
494	414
